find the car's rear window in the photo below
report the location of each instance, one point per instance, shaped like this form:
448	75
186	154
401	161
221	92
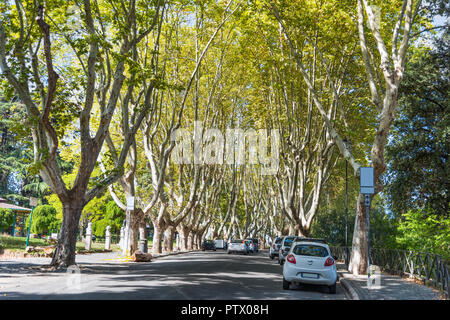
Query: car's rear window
310	250
278	240
236	241
288	241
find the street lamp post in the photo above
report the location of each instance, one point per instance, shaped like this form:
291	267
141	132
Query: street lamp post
33	204
347	143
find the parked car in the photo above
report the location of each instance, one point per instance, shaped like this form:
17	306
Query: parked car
220	244
275	247
255	243
310	262
250	245
208	245
235	246
286	243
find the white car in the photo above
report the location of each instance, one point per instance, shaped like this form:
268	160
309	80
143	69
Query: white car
220	244
238	246
310	262
275	247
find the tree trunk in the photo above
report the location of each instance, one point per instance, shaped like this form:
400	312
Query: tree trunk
157	237
64	255
301	232
183	232
169	236
134	232
358	258
197	242
291	229
190	240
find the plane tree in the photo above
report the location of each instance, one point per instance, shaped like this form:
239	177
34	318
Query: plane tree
61	73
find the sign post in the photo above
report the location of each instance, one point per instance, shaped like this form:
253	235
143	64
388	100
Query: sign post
367	188
33	203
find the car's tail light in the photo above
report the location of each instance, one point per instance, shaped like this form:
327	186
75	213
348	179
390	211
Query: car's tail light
329	262
282	250
274	246
290	258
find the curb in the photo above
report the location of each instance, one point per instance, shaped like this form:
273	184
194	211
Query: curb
162	255
349	289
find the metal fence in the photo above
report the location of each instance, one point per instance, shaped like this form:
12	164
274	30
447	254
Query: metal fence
425	266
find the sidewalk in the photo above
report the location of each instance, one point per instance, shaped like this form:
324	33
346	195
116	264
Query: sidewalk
390	288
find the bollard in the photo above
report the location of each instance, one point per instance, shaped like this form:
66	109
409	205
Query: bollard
125	241
122	231
88	243
108	238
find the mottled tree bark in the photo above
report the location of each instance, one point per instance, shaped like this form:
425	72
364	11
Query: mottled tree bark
64	255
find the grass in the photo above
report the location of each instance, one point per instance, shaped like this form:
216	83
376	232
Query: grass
18	244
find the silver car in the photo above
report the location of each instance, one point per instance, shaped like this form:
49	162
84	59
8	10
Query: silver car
286	243
275	247
310	262
238	246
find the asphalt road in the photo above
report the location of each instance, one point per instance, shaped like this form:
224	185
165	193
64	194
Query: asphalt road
196	276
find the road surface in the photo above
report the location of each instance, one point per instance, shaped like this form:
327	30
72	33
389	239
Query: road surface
190	276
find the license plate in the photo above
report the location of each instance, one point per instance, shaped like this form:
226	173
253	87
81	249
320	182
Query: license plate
310	275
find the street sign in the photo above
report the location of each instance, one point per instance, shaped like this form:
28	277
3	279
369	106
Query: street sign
130	203
33	202
366	180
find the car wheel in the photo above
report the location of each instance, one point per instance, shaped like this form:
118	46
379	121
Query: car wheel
229	252
271	256
332	289
286	284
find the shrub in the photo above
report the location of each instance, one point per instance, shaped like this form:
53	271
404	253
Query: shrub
6	218
44	220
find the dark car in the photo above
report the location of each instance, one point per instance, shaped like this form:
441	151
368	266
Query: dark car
255	244
208	245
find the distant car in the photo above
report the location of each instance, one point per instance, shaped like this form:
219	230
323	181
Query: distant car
235	246
208	245
310	262
251	245
255	243
275	247
220	244
286	243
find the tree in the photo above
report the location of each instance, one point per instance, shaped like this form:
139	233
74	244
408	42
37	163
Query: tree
113	217
44	220
418	154
30	34
14	149
425	232
383	83
6	218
